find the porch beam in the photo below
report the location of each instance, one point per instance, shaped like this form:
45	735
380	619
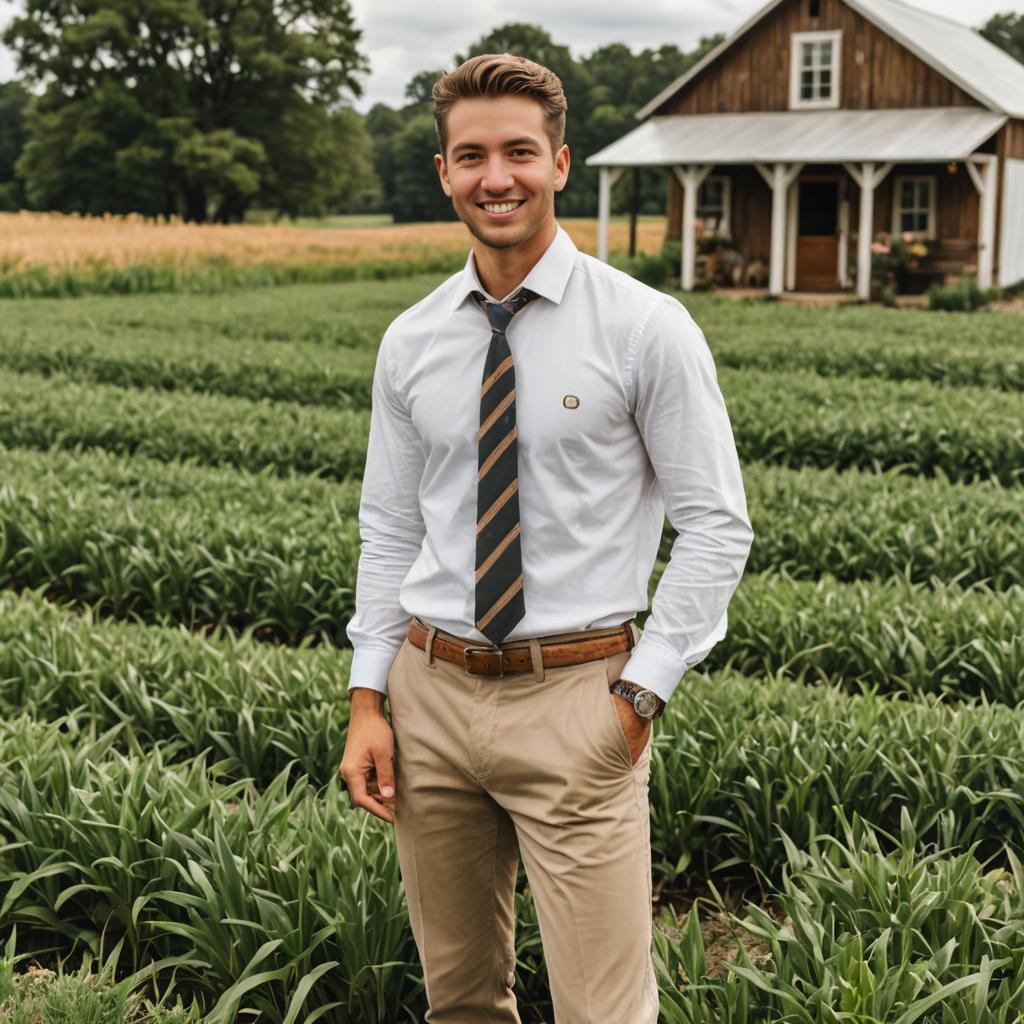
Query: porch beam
607	176
868	176
778	178
985	183
690	177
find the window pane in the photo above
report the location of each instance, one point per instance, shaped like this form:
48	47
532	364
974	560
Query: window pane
907	194
806	50
922	194
906	221
825	83
825	58
920	220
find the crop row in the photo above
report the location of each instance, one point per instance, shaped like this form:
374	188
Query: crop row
212	430
852	524
850	341
332	363
280	370
856	524
196	547
893	636
791	419
348	316
245	331
281	559
289	899
727	753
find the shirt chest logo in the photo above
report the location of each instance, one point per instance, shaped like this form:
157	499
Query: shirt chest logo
571	402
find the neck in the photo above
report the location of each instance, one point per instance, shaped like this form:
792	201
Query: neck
501	271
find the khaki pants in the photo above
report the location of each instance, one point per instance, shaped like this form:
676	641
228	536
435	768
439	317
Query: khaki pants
487	768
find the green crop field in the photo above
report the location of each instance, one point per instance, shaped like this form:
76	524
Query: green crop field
837	791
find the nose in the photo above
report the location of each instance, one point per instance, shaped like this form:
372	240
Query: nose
497	174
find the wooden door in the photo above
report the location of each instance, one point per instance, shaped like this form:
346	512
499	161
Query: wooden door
817	240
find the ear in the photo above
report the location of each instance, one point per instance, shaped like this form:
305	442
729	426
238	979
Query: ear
442	173
561	167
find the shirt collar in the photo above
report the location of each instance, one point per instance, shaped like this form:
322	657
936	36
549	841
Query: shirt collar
548	277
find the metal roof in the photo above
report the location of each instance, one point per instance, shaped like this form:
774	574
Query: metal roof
980	68
810	136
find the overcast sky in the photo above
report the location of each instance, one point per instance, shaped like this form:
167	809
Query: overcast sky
402	37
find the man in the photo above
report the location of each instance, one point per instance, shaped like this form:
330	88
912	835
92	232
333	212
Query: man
532	418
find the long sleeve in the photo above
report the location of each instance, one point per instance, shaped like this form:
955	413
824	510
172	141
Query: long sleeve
682	418
391	530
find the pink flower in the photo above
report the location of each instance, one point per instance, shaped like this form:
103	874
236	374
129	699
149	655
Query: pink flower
879	249
908	236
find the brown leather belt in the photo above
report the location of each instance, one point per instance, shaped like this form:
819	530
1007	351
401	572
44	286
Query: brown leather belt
556	650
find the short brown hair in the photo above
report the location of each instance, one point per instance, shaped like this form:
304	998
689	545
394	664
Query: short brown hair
500	74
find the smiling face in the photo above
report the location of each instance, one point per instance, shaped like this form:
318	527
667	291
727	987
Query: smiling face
500	171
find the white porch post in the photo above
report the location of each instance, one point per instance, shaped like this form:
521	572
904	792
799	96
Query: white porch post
844	242
985	183
606	178
868	177
778	179
690	178
792	226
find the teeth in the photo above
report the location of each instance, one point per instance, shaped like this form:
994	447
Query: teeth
501	207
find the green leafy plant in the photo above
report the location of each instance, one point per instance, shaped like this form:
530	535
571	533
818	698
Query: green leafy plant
965	296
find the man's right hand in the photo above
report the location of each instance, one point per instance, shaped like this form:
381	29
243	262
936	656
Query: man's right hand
367	762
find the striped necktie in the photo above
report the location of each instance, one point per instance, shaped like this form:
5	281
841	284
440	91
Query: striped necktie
499	563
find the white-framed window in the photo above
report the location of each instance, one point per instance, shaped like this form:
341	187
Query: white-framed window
713	203
913	205
814	69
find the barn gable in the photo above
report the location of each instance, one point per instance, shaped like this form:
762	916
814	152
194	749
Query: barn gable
889	56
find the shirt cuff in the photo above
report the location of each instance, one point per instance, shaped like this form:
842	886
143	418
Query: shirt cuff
654	668
370	668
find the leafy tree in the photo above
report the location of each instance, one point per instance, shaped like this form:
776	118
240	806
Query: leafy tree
198	107
420	86
1006	31
13	100
382	124
417	193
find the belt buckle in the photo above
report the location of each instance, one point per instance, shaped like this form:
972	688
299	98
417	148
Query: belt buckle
472	649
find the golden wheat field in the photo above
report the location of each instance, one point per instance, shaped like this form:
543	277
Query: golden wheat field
69	241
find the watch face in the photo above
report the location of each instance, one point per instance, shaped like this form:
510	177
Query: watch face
646	703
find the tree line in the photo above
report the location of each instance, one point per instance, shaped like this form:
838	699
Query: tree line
206	109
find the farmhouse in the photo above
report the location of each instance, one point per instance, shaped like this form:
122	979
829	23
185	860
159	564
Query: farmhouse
820	124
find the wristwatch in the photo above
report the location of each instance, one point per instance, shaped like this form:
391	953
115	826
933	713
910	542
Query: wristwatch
646	703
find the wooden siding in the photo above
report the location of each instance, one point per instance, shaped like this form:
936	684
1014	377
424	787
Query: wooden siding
877	73
750	213
1012	140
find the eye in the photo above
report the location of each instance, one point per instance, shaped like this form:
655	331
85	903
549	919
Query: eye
524	152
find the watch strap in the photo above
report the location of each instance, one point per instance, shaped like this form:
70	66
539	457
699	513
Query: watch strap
630	691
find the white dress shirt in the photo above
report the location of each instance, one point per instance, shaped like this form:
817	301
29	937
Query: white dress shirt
649	432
